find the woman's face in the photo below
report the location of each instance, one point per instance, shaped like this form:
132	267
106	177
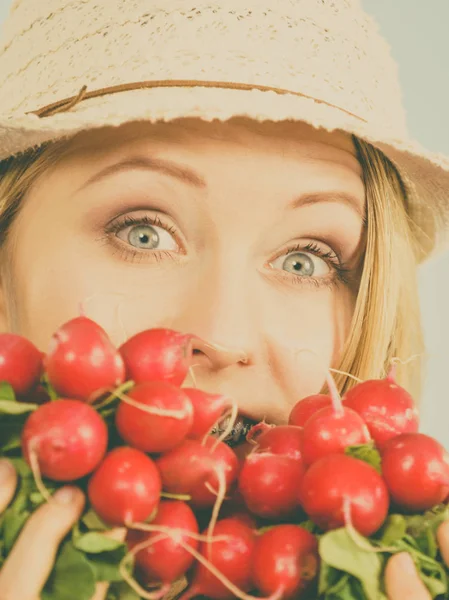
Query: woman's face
249	237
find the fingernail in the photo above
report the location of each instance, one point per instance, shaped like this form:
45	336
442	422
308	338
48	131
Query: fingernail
406	563
6	470
65	495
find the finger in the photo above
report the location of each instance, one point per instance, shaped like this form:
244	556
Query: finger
101	589
402	580
8	483
443	541
31	560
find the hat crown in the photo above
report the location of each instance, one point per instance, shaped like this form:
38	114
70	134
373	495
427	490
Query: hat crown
327	49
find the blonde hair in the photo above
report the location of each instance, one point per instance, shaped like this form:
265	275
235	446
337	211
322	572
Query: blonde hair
386	321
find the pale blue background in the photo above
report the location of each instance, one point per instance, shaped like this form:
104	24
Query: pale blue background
417	31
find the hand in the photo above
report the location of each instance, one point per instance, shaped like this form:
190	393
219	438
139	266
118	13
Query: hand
401	577
30	562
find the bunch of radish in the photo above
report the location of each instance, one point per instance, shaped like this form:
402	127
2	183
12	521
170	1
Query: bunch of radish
120	423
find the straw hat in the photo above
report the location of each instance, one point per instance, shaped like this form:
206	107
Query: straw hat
69	65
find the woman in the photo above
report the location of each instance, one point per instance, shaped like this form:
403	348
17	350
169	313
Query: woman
243	174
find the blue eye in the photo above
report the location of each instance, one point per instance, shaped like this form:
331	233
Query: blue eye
147	237
303	264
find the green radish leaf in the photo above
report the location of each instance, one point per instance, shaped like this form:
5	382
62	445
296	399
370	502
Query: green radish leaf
121	591
6	391
11	527
368	453
10	433
393	530
72	578
338	550
95	543
12	407
106	564
92	521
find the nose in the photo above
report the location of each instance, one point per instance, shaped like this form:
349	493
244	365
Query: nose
216	356
220	308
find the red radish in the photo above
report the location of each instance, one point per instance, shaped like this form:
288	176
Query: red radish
416	470
285	560
67	437
307	407
336	479
158	355
232	557
125	488
270	483
165	560
285	440
207	410
332	429
20	363
192	467
82	362
155	431
387	409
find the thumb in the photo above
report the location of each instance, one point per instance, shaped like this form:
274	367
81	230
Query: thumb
8	483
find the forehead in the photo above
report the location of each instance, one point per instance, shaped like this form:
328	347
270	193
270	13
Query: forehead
264	138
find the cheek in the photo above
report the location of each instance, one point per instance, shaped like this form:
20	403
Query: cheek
70	276
307	337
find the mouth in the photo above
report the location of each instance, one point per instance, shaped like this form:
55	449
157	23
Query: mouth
237	435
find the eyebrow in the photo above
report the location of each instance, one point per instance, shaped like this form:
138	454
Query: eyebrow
330	197
157	165
190	177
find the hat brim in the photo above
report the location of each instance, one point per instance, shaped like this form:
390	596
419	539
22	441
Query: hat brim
425	174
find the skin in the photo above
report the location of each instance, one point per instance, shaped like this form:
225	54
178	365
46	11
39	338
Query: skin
261	196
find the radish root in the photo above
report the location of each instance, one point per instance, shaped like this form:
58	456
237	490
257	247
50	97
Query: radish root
174	532
174	414
335	396
346	374
156	595
35	469
223	579
217	505
355	536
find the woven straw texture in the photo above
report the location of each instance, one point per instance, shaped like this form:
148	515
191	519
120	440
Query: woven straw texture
328	53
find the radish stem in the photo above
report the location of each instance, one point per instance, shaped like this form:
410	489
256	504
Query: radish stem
182	497
125	387
391	375
257	430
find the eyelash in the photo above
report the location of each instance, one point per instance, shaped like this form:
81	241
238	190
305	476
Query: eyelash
339	270
130	254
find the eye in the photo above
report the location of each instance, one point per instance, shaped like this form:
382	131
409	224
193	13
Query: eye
147	237
303	264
